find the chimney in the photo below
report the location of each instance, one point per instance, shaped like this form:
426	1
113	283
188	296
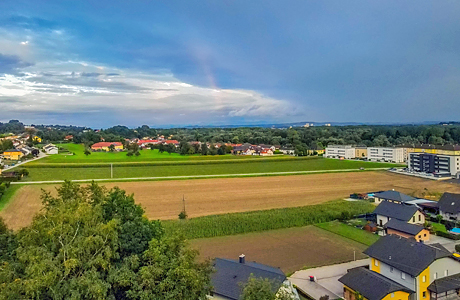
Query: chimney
242	260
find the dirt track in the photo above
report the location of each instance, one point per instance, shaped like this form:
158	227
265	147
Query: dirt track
163	199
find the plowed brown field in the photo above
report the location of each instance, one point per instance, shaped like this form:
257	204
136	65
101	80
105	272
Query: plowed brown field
163	199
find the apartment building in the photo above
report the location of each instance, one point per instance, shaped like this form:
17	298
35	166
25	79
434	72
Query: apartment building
340	151
434	163
403	269
360	152
387	154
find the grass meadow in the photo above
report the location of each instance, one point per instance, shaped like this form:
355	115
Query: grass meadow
353	233
82	171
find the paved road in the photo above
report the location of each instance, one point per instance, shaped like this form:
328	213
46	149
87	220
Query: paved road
326	279
40	155
198	176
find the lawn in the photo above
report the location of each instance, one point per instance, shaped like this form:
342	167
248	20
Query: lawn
114	157
439	227
54	172
353	233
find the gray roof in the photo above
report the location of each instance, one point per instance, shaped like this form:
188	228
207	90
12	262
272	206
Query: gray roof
394	195
403	227
370	284
445	284
397	211
230	275
449	203
406	255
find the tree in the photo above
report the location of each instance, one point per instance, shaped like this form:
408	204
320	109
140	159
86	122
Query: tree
204	149
87	152
161	148
94	243
264	289
112	148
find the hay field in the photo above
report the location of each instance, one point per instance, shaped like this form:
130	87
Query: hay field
163	199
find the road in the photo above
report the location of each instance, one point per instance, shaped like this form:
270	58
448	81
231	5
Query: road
198	176
40	155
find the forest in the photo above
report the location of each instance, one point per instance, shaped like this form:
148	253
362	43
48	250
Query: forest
309	137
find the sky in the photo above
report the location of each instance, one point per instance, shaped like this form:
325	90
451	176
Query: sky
175	63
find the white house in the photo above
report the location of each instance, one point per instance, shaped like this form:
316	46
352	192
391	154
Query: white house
51	149
387	154
340	151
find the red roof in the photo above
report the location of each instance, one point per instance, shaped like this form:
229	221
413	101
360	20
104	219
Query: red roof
171	142
106	144
140	142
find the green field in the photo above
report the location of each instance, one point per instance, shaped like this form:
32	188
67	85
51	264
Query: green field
115	157
236	223
439	227
350	232
83	171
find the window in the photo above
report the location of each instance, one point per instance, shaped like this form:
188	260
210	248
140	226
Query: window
424	235
413	219
419	236
424	278
419	217
435	276
376	263
446	273
391	269
392	295
403	275
424	294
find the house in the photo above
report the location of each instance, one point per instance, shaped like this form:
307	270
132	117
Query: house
449	206
68	138
406	213
147	142
245	149
266	152
287	150
37	139
104	146
404	269
231	274
340	151
13	154
51	149
174	142
392	196
370	226
407	230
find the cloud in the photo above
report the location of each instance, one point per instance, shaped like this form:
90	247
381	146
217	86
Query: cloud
11	63
151	99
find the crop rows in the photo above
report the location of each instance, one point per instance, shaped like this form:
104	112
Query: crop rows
237	223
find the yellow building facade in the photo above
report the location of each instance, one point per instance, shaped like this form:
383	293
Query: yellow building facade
13	154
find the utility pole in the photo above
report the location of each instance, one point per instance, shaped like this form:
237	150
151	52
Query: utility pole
354	255
183	202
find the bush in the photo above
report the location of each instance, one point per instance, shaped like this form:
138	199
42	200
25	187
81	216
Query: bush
457	248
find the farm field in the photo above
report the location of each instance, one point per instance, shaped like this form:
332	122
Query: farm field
163	200
205	168
352	233
289	249
114	157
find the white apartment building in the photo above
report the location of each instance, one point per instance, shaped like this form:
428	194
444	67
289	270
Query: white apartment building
340	151
387	154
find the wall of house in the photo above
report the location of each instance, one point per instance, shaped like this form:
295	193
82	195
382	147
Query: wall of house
423	281
403	234
439	267
399	295
418	218
396	275
382	220
375	265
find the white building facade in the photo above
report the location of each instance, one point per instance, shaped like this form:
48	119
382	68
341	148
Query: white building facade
340	151
387	154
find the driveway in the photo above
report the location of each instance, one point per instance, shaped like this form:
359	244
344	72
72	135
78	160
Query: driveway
326	279
40	155
447	243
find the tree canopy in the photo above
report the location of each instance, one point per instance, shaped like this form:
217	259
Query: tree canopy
93	243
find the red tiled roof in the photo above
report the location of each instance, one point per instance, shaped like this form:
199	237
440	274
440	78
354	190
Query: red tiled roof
171	142
140	142
106	144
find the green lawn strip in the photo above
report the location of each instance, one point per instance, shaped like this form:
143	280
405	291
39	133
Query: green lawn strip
5	199
350	232
237	223
439	227
131	171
